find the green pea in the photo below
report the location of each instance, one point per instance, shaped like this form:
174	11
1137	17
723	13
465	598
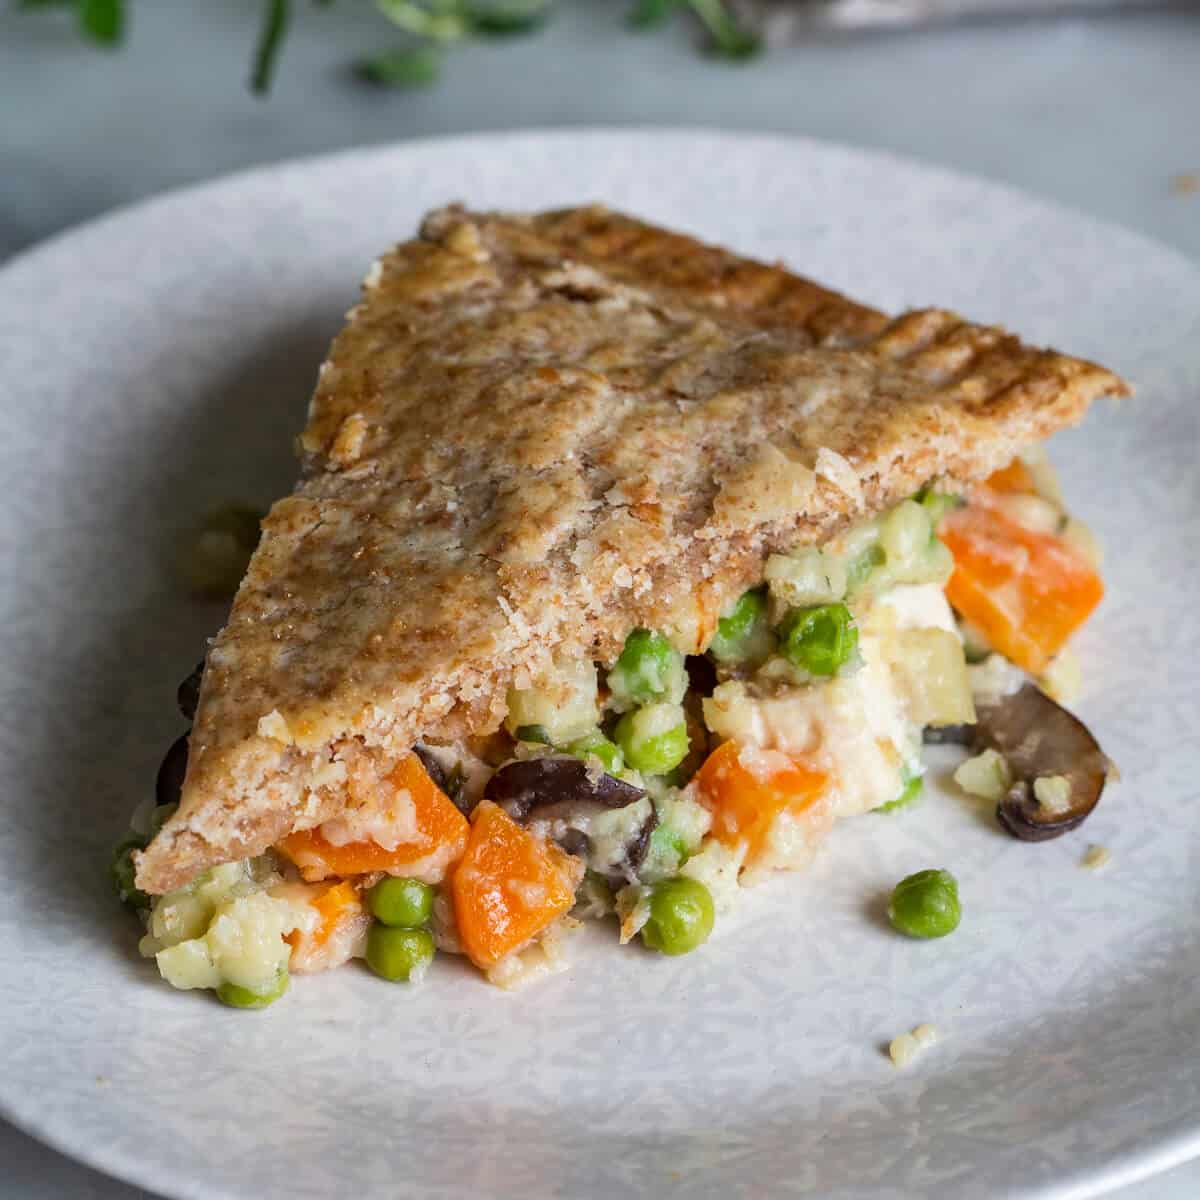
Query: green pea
123	873
908	793
739	634
399	955
821	639
925	905
240	997
668	844
681	916
653	739
649	669
596	745
404	903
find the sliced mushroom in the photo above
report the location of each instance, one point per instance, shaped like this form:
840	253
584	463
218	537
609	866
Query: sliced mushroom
948	735
638	847
565	795
701	673
697	740
169	784
458	771
623	866
554	781
187	695
1040	739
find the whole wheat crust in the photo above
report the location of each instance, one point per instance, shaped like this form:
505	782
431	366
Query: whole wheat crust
534	434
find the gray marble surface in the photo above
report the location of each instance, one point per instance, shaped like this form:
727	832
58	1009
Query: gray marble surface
1098	113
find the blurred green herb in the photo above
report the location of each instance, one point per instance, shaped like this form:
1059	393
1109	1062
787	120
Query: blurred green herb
439	21
103	20
429	24
100	21
276	17
650	14
415	67
729	39
508	17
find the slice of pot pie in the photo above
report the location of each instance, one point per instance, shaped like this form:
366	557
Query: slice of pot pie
619	568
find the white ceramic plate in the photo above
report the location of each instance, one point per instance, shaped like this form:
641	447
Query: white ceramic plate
159	361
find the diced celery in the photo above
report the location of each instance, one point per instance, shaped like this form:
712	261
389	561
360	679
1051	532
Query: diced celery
806	577
558	709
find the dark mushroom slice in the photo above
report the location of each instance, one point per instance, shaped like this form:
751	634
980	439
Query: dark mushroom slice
433	768
698	747
544	783
1039	738
567	792
169	783
637	847
449	780
948	735
625	867
187	696
701	673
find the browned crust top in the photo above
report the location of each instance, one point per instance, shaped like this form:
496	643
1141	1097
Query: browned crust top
536	433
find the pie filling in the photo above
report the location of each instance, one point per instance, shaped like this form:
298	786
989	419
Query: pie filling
653	788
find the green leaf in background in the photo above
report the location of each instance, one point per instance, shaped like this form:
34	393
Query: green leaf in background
729	39
507	17
440	21
103	21
276	15
650	14
417	66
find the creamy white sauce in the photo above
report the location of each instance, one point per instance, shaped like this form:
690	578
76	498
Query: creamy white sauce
916	606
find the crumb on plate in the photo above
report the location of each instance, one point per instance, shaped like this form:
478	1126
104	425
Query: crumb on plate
906	1046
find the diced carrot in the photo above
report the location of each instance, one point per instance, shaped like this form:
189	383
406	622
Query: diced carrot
508	886
438	841
746	792
334	904
1016	477
1027	592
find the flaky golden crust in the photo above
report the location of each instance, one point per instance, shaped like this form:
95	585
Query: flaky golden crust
536	433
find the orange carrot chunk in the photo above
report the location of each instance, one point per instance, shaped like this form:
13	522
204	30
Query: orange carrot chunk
438	835
1016	477
334	904
507	887
745	797
1027	592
